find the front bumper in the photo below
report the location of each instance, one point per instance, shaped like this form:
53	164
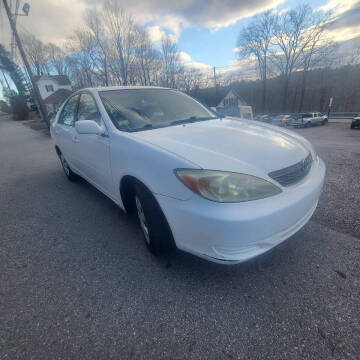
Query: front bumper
236	232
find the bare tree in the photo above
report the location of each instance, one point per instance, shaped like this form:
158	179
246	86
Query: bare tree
120	29
255	40
147	58
95	24
190	79
172	66
81	61
36	52
318	49
56	58
111	49
291	39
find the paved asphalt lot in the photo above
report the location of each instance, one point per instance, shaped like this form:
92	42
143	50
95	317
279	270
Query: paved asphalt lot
76	281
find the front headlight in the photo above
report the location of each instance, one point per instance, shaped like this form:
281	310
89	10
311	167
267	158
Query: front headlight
227	187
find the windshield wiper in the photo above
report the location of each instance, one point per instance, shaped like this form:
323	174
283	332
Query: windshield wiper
145	127
191	119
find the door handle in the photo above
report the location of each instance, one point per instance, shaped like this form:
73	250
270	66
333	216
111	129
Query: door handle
75	139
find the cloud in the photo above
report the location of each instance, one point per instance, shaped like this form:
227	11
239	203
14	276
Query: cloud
344	24
49	20
155	33
190	63
53	20
214	14
338	6
284	11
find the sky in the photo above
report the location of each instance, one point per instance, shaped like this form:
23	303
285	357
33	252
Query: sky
205	30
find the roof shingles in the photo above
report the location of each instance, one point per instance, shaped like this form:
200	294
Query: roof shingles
60	79
58	96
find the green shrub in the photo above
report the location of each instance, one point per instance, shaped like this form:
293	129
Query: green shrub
4	107
19	107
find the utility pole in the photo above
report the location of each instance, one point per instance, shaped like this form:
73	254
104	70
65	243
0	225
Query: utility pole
41	105
14	17
329	107
215	86
214	77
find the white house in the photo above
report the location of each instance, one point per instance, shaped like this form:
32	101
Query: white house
232	104
54	89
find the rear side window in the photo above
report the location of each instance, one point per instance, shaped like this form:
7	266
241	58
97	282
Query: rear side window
88	109
67	116
307	116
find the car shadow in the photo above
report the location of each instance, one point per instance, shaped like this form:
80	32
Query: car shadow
100	229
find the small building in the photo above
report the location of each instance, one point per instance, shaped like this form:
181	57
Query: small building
232	104
54	89
54	100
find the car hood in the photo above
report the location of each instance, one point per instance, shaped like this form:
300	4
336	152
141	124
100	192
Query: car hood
231	145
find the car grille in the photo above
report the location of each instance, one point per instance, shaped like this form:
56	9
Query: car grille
294	173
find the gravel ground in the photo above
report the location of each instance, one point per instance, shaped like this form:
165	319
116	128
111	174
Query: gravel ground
339	147
76	281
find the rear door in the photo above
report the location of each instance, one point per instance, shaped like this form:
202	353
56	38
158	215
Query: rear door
65	130
93	151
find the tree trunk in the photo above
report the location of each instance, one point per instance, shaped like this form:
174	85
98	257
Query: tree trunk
293	106
263	102
303	87
285	94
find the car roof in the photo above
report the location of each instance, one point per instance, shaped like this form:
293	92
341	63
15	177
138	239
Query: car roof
110	88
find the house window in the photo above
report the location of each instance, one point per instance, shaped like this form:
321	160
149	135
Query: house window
49	88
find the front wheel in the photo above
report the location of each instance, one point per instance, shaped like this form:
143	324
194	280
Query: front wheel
67	170
156	231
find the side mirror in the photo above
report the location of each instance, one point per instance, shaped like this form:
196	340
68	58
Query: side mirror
88	127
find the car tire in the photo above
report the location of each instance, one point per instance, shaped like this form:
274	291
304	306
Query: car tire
308	124
352	126
154	226
67	170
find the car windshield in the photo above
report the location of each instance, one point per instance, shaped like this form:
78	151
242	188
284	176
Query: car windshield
144	109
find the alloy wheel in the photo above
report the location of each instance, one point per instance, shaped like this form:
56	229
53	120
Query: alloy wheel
142	219
65	165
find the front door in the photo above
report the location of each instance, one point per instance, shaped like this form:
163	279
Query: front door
92	151
65	131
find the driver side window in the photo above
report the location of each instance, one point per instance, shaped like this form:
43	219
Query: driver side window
88	109
67	116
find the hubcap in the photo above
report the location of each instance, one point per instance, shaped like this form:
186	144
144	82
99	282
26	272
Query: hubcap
142	219
65	165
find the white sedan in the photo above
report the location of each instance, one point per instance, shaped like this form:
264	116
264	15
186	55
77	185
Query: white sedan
224	189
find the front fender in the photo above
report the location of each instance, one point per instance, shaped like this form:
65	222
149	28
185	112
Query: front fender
151	165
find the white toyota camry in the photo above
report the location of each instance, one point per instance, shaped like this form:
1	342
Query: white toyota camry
222	188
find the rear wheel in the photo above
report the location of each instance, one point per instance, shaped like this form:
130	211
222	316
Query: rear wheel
156	231
352	126
67	170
